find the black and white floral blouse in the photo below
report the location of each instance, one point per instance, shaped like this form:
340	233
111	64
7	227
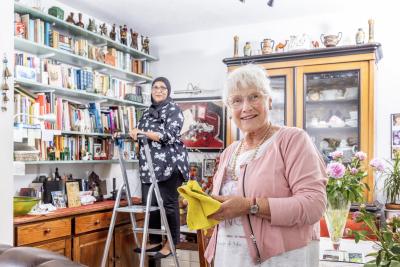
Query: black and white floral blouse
169	152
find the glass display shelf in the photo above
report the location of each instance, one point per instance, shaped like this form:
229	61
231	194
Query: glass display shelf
51	162
76	31
81	94
335	101
76	60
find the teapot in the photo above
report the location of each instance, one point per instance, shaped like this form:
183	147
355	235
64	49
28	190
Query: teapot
331	40
267	46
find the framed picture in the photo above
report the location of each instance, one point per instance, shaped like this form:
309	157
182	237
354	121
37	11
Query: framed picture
395	133
58	199
196	171
209	167
204	123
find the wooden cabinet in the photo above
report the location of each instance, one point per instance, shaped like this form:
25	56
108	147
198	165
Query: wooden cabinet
80	234
329	92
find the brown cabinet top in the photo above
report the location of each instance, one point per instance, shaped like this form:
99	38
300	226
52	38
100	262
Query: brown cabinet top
98	206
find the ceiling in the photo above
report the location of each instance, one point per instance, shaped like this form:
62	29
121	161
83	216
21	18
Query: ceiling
168	17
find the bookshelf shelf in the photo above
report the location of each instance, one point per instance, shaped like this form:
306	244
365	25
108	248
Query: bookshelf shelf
80	32
52	162
81	94
76	60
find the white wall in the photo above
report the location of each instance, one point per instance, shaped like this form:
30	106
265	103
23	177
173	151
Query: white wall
6	179
196	57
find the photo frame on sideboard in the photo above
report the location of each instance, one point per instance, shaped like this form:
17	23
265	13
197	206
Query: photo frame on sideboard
395	133
204	127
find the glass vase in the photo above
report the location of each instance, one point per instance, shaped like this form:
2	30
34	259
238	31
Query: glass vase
337	211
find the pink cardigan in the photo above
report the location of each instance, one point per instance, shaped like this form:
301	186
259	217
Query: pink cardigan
292	176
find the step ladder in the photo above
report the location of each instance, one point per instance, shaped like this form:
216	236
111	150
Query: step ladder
132	209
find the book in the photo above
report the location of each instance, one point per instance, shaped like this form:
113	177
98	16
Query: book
73	197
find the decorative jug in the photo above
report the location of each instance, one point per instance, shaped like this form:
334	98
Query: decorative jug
331	40
267	46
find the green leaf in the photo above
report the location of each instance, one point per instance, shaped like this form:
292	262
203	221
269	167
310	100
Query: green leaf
396	249
394	263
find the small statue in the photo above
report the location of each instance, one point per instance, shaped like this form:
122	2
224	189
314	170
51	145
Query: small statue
315	44
113	33
123	32
57	176
247	49
103	29
236	46
360	36
70	18
145	44
134	36
80	23
92	26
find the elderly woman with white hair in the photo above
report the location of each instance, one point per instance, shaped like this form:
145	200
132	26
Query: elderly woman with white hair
271	185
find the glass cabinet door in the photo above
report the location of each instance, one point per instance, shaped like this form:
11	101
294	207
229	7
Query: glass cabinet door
331	110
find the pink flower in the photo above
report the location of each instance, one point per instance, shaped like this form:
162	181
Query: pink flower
361	155
335	170
377	164
336	155
354	171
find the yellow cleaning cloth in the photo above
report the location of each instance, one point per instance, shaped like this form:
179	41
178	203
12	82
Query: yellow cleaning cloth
200	205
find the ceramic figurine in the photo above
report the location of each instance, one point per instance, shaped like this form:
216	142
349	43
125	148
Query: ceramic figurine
92	26
267	46
145	44
247	49
113	33
315	44
236	46
70	18
281	46
371	23
134	39
123	32
103	29
360	35
80	23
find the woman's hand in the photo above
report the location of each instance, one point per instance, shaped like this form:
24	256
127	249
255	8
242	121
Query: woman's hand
134	132
232	207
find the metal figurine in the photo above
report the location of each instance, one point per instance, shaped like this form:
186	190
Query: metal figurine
92	26
103	29
80	23
145	44
134	39
123	32
70	18
113	33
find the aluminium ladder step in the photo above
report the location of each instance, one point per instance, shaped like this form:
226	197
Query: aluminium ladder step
136	209
151	231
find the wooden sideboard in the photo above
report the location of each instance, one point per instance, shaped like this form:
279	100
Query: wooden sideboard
80	234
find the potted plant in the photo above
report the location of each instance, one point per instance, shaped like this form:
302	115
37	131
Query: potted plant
391	187
345	185
388	238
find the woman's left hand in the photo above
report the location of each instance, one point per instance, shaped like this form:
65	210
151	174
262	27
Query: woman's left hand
134	132
231	207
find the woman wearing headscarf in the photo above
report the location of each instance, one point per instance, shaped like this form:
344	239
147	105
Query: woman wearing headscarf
161	123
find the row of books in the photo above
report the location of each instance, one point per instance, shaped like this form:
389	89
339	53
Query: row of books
42	32
82	148
51	72
73	116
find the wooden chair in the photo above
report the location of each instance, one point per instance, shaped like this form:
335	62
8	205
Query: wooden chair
203	237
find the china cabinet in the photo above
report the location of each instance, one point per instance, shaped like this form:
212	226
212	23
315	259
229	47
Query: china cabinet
329	92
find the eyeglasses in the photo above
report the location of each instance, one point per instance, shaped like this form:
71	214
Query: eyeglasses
161	88
237	101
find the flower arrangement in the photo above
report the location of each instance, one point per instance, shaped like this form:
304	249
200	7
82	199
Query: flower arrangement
346	181
388	238
391	173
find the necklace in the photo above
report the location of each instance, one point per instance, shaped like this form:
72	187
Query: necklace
239	150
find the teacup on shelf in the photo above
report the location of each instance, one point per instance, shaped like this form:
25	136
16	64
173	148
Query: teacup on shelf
335	121
351	92
353	115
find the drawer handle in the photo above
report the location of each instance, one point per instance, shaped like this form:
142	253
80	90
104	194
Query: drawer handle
47	230
97	222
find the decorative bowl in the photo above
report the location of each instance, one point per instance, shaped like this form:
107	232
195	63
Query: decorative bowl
23	205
